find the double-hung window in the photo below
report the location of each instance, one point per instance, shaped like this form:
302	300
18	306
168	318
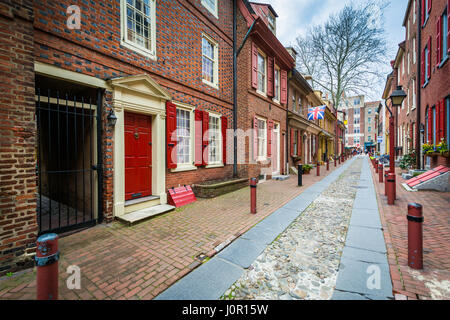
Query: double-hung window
277	84
138	27
442	44
212	6
262	139
427	62
185	136
215	140
262	69
210	61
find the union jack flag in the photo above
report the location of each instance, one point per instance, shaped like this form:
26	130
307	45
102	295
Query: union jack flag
316	113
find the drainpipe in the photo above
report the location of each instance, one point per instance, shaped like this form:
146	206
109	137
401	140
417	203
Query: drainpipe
287	127
235	126
418	85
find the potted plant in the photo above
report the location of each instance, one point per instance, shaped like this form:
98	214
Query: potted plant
428	149
407	162
442	148
306	168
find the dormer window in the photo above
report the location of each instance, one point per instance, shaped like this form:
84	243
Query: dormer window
271	20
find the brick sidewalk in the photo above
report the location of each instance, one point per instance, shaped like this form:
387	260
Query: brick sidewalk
433	282
139	262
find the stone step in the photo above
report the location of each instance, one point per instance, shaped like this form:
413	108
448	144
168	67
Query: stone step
144	214
280	178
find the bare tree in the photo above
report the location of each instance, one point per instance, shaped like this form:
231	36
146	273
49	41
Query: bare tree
345	54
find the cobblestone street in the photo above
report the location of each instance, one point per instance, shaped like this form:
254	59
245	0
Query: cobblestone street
302	263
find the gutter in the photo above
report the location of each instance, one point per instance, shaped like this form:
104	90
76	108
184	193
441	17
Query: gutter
418	84
248	32
235	126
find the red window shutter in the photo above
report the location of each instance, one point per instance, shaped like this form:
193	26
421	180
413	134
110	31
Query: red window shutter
429	6
292	142
198	138
448	26
269	138
171	132
423	11
205	137
283	85
444	117
429	57
254	66
430	125
270	77
438	40
255	138
299	143
442	120
224	138
423	67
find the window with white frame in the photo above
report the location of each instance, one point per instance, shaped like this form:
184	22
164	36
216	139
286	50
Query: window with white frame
138	27
184	137
261	73
413	94
295	142
414	49
212	6
215	140
262	138
444	35
277	84
209	61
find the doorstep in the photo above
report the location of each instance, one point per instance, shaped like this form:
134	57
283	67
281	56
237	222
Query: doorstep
144	214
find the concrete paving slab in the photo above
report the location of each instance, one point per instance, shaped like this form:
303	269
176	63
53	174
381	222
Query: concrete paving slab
356	254
366	238
242	252
342	295
361	277
260	235
208	282
366	220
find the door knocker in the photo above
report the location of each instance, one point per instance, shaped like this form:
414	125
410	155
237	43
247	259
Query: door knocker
136	135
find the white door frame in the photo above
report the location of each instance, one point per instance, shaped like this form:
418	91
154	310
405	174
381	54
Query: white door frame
277	131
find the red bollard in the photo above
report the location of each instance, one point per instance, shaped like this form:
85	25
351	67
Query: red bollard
318	169
386	173
376	166
328	165
391	189
339	159
335	162
415	237
47	256
253	195
380	173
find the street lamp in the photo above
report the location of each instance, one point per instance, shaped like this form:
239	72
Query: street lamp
396	98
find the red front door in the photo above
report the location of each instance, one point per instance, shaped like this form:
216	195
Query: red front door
138	156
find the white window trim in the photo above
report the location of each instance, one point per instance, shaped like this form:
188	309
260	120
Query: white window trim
220	149
123	31
263	93
214	84
214	12
187	166
263	157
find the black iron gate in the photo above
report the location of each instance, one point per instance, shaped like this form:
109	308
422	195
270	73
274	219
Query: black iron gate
69	160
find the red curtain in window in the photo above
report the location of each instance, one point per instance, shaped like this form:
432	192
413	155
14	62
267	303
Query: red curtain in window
198	138
224	138
254	66
171	134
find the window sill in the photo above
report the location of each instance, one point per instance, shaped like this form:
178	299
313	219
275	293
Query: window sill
182	168
217	165
443	62
144	52
261	93
261	159
213	85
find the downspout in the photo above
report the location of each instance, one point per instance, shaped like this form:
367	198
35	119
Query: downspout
235	126
418	85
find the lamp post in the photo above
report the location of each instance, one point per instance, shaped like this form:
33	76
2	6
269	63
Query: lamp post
396	98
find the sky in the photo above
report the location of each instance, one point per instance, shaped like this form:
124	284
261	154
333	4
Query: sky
296	16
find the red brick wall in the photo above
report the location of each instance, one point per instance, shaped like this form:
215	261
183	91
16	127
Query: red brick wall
95	50
18	225
251	104
438	86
